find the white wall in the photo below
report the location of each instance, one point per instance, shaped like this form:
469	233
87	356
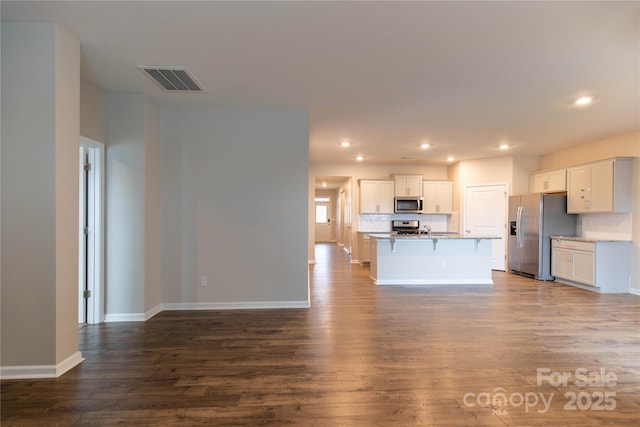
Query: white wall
40	139
235	206
92	112
67	134
153	227
125	201
514	171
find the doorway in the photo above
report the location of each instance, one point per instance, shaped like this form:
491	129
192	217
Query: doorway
91	233
485	214
325	219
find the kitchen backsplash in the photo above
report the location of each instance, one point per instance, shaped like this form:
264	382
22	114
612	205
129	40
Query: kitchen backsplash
605	226
382	223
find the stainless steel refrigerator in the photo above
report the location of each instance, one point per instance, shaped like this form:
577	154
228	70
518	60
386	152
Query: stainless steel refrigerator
533	218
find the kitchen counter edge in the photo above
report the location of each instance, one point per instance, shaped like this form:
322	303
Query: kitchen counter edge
587	239
426	237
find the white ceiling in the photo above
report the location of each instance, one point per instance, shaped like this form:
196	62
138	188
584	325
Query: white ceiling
464	76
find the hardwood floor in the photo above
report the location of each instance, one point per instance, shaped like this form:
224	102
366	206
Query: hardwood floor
362	355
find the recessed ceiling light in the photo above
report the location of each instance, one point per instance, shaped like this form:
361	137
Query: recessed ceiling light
324	184
360	158
345	143
584	100
425	146
450	159
504	146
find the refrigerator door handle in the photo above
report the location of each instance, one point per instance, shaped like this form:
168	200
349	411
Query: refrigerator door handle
519	233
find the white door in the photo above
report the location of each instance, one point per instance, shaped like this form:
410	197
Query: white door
323	219
90	241
341	231
485	214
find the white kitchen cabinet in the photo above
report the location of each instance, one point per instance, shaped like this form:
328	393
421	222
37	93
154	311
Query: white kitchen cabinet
438	197
603	186
548	181
364	248
601	266
408	185
376	196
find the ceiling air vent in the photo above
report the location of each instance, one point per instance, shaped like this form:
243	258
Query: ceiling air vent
172	79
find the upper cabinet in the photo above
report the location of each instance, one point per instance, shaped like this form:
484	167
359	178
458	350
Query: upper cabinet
408	185
438	197
548	181
603	186
376	196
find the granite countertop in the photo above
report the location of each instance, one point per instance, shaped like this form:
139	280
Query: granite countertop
587	239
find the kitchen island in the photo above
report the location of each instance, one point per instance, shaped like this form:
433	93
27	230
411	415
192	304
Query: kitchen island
430	260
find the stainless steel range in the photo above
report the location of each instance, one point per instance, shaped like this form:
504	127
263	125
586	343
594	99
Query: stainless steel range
400	226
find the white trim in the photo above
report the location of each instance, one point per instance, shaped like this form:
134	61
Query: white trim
421	282
69	363
40	371
124	317
150	313
634	291
249	305
234	305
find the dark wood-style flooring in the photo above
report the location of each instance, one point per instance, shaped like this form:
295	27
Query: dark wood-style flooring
360	356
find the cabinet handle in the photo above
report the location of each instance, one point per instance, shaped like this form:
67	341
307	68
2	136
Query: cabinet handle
377	208
437	208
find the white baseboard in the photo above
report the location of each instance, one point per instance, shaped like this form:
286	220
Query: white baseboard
425	282
40	371
124	317
249	305
634	291
155	310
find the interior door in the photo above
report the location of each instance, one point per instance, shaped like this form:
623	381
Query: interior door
485	214
323	220
91	233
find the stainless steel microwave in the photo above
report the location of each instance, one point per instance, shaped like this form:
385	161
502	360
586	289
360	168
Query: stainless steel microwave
408	205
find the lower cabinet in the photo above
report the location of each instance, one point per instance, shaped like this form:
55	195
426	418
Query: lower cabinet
601	266
364	248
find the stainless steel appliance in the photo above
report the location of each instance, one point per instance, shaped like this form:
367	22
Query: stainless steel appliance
399	226
532	219
408	205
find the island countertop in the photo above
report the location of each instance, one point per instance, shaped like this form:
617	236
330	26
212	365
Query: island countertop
439	259
433	236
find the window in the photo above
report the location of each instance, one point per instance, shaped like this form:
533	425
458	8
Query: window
321	214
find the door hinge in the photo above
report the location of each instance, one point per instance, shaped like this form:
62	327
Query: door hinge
86	231
86	294
87	166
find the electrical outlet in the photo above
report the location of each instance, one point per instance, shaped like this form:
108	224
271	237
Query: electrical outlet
204	281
